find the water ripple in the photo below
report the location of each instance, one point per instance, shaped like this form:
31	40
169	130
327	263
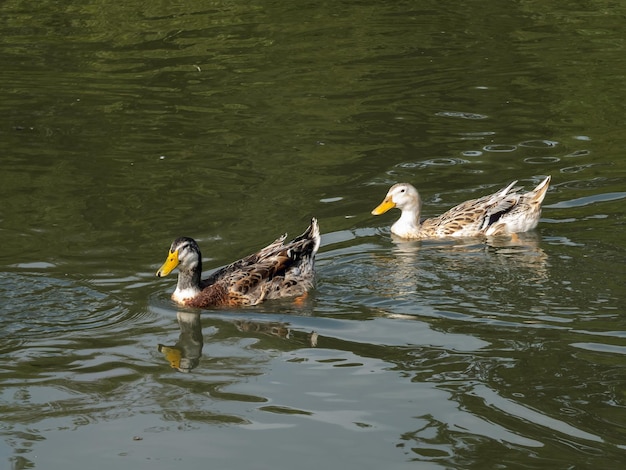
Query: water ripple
462	115
542	160
63	306
540	144
587	200
434	162
499	148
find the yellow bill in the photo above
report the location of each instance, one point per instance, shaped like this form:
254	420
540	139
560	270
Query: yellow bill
170	263
384	206
172	354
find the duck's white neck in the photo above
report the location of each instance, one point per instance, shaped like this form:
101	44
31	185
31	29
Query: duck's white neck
188	285
408	225
183	294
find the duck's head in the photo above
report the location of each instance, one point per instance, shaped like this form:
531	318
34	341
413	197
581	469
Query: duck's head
402	195
183	253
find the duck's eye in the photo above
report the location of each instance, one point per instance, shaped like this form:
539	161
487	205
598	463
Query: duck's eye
402	190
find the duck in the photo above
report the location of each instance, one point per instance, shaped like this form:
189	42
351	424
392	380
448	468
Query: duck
278	270
505	212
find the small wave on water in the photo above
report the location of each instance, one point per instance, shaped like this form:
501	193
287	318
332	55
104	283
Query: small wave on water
434	162
38	305
588	200
462	115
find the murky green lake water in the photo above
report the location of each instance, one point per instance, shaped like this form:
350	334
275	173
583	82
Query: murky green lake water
125	125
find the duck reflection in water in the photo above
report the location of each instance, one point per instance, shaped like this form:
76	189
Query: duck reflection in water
442	268
281	330
278	329
185	354
523	251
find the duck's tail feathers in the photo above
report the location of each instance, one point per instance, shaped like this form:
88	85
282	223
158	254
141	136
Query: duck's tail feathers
540	191
311	233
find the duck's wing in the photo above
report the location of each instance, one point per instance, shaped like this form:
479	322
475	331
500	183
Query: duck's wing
278	270
244	263
471	218
251	284
524	214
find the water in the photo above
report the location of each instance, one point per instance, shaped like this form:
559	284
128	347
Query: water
124	127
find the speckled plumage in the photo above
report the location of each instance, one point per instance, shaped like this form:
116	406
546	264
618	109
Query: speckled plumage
504	212
278	270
